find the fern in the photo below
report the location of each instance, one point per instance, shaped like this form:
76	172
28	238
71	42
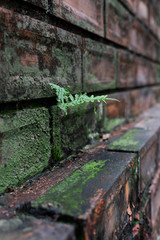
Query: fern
66	100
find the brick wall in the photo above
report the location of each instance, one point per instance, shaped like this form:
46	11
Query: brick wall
100	47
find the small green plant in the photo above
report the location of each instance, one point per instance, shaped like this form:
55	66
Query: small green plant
66	100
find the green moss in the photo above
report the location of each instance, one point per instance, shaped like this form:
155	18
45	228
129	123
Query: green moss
111	124
128	142
69	192
25	149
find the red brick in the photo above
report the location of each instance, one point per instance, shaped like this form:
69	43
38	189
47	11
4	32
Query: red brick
117	22
132	102
143	10
99	66
87	14
140	100
136	37
118	109
126	69
35	53
146	72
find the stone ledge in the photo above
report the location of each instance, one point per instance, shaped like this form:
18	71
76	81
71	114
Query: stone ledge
100	191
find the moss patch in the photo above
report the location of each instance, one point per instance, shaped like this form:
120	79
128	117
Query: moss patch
25	148
132	141
68	193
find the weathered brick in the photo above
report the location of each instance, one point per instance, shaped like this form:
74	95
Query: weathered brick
143	139
152	46
25	145
126	70
143	10
99	66
132	102
75	130
131	4
142	74
117	22
39	3
148	166
33	54
116	109
141	41
140	100
84	13
137	36
85	195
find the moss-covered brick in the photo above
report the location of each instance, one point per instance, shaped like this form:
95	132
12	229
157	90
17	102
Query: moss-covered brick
117	22
25	145
136	140
33	54
74	131
40	3
99	66
126	69
84	13
78	194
